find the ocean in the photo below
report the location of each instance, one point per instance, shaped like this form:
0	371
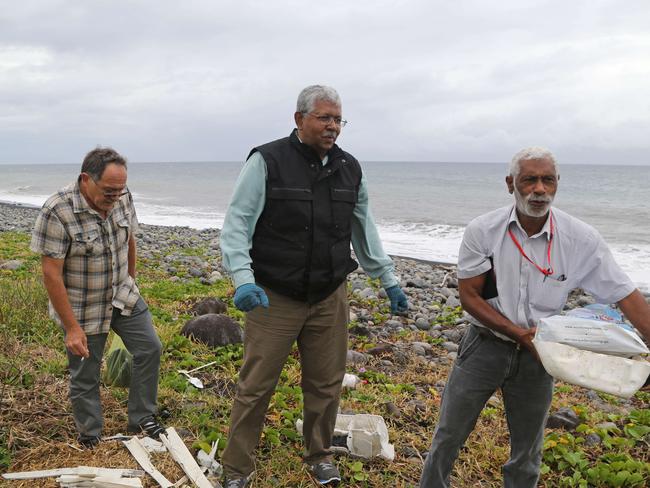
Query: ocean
421	208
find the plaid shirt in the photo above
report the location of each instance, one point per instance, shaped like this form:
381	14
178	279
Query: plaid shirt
95	272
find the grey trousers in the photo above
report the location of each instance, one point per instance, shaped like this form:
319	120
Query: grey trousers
485	364
139	337
321	332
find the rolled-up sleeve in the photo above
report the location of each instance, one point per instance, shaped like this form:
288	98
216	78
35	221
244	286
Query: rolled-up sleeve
49	236
473	258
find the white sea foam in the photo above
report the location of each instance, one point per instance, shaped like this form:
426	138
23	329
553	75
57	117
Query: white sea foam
432	242
442	242
17	199
196	218
635	261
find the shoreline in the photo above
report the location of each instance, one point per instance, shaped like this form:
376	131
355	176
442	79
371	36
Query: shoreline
28	208
18	204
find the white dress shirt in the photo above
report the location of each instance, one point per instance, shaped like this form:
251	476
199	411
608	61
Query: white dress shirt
579	258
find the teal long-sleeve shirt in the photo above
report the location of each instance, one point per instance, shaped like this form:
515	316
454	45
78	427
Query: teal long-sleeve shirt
246	206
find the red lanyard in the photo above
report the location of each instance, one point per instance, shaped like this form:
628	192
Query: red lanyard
549	270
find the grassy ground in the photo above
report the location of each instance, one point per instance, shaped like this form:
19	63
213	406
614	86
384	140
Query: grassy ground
37	432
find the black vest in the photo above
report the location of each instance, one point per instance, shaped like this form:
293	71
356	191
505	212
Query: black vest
301	244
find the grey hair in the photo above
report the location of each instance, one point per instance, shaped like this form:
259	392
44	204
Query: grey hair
313	93
96	161
532	152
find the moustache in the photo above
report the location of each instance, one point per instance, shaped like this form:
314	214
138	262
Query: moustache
540	199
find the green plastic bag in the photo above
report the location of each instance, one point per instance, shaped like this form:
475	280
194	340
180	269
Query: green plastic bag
119	363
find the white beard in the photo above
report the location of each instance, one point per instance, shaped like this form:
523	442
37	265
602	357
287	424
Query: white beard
523	204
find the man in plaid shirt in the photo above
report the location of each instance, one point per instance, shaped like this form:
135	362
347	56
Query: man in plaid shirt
84	234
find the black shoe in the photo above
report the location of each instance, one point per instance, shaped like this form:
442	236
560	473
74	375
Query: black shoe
88	441
237	482
149	427
326	473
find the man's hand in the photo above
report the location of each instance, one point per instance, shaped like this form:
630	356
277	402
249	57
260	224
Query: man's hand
525	339
398	301
248	296
76	342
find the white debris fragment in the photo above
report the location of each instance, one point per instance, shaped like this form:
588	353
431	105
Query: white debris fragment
350	380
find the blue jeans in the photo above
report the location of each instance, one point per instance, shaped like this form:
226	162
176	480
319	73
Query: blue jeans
485	364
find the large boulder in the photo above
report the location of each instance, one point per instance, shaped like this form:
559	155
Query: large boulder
209	305
213	330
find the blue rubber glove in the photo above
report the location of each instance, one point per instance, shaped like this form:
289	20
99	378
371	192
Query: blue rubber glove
398	301
248	296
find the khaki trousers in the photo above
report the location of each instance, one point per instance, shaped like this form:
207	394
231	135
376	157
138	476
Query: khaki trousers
322	336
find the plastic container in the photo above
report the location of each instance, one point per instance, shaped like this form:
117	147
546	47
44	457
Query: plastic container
367	435
610	374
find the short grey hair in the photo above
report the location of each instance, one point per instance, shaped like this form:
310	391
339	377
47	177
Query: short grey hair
314	93
532	152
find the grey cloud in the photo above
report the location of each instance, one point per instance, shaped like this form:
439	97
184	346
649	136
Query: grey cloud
420	80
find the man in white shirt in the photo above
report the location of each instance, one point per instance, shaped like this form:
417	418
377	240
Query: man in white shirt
516	265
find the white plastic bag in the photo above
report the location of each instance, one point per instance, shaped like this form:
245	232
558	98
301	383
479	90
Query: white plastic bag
591	335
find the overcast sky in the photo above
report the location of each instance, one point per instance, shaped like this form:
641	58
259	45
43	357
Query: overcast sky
420	80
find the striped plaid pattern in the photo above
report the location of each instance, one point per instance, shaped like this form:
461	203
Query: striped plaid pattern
95	251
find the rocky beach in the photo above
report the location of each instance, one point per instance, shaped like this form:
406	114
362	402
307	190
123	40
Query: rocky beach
430	287
403	361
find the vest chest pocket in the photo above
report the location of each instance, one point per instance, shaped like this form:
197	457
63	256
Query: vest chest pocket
343	203
289	208
87	243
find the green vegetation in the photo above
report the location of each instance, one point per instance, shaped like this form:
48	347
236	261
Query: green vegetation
611	464
35	421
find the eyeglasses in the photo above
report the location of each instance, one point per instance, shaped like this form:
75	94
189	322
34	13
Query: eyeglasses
111	194
328	119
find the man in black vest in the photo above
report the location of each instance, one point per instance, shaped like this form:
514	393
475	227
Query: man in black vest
297	206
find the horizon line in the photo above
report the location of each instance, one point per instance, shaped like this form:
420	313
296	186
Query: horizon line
32	163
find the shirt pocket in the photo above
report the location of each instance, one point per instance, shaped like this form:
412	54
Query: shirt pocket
122	231
552	295
87	243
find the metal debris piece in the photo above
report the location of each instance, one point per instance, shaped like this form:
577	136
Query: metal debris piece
85	471
139	452
182	456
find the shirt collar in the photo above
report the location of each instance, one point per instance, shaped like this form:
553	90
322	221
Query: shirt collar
79	203
546	229
324	160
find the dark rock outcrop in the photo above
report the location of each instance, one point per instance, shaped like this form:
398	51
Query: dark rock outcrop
213	330
209	305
